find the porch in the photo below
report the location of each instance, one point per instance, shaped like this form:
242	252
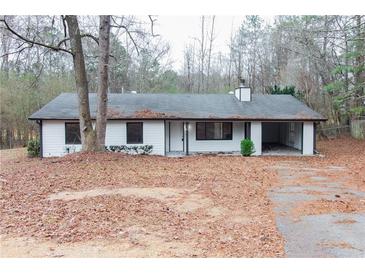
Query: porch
195	137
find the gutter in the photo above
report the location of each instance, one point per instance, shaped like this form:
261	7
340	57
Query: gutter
199	119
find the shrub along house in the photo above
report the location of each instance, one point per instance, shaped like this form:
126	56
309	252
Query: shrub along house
176	124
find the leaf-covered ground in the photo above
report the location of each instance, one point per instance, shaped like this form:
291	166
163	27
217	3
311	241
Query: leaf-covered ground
113	205
147	205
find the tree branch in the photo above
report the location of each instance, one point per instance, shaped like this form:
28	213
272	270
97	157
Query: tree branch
152	25
82	36
64	28
32	42
129	33
17	51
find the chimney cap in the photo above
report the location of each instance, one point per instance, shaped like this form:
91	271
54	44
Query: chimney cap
242	81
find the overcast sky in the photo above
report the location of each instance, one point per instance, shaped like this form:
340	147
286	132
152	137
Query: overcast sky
179	30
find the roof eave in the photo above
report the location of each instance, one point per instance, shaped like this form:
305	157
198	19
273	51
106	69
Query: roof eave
195	118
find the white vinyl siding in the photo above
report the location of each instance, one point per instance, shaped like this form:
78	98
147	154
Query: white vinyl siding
154	133
53	132
54	136
216	145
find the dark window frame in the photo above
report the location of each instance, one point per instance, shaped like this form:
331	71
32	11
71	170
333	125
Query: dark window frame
72	123
129	142
205	132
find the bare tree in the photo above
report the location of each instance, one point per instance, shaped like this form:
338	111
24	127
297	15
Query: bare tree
202	55
211	39
88	137
102	101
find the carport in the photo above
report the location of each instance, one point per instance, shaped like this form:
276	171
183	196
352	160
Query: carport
282	138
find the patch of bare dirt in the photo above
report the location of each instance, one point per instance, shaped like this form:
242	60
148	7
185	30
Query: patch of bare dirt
137	244
15	154
159	193
342	245
346	221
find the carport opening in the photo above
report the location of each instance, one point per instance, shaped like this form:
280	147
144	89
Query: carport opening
282	138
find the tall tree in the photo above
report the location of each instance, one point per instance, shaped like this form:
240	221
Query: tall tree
88	136
211	39
102	100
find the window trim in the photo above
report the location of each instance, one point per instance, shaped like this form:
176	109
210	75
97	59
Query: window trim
205	129
72	123
126	133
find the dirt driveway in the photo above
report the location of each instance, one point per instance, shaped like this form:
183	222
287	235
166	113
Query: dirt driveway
318	214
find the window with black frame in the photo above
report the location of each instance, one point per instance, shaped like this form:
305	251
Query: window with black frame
72	133
135	133
213	131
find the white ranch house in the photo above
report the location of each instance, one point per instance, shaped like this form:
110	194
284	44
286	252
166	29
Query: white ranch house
177	124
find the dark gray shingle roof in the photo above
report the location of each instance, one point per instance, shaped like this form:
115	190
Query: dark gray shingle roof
183	106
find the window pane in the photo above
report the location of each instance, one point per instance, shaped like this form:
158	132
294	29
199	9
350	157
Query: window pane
209	131
213	131
200	131
134	133
72	132
227	131
217	131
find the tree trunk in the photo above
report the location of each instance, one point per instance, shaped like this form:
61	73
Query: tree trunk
360	63
104	43
88	138
211	38
202	56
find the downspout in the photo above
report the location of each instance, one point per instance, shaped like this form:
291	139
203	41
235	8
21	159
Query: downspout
315	138
302	141
164	134
169	136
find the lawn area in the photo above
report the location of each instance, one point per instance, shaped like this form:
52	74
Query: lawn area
114	205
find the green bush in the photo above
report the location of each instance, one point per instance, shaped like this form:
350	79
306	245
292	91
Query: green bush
34	148
247	147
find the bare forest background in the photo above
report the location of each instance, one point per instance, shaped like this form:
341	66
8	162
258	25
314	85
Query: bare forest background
318	59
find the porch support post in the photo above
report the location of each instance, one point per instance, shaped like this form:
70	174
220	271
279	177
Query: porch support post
308	138
256	136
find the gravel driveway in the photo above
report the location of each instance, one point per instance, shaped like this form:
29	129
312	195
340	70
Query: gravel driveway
326	233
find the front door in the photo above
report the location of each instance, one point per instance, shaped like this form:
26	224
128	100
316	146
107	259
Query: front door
176	136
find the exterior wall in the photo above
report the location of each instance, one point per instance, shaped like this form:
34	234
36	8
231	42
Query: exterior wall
155	133
216	145
256	136
53	132
292	138
308	140
54	136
